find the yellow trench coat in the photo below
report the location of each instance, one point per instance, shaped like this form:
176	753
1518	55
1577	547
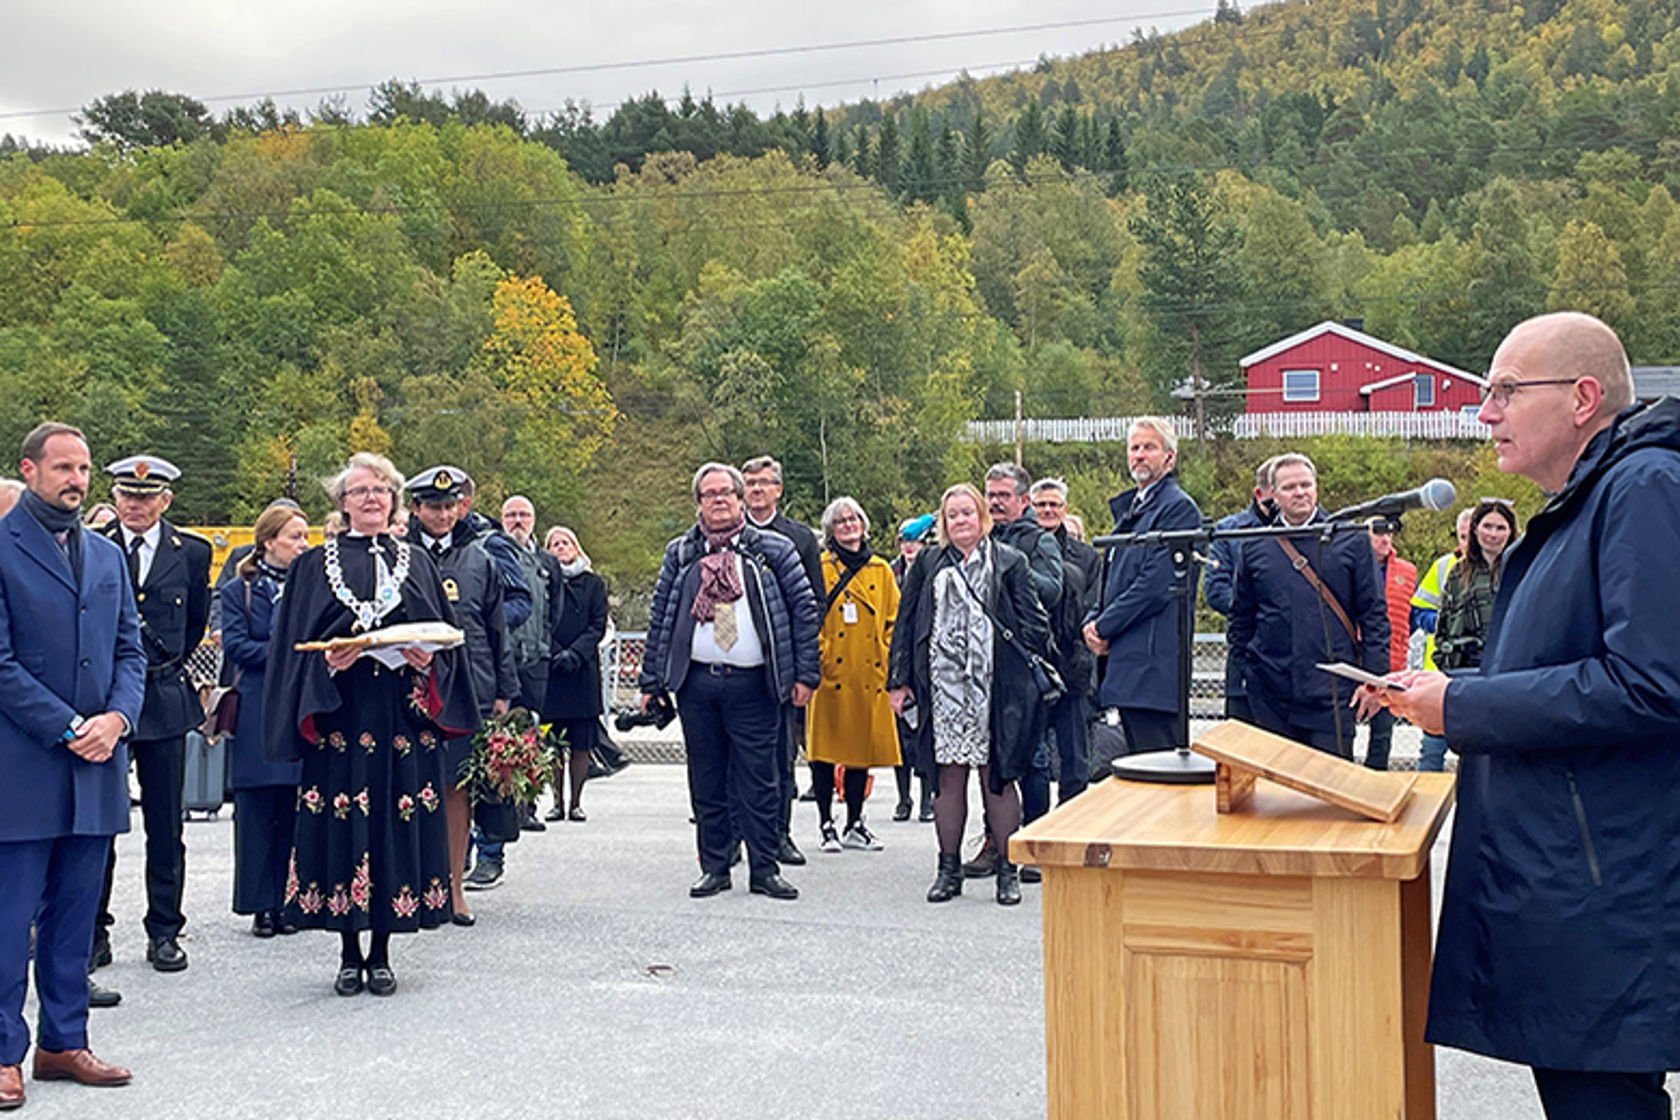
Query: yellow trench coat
849	721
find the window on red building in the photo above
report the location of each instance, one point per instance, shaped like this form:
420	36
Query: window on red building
1300	384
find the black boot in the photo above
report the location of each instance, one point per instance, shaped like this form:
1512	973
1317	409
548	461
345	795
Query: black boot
1008	883
948	883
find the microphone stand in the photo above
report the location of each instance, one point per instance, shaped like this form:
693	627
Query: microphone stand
1180	766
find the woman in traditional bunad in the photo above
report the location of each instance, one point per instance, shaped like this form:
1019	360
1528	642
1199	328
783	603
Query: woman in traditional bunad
370	849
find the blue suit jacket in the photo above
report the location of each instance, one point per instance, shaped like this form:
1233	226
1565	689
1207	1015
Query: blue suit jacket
1135	617
64	651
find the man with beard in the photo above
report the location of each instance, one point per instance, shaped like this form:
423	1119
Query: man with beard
763	480
73	672
1135	625
733	633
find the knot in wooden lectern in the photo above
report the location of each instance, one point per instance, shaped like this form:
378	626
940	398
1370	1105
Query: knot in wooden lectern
1256	952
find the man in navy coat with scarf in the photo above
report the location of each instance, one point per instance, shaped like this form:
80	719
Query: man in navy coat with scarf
73	673
1559	943
1135	625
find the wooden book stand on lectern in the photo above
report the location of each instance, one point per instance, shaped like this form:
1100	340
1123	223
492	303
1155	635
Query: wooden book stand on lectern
1260	953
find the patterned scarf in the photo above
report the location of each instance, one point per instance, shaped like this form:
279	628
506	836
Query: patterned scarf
720	580
960	657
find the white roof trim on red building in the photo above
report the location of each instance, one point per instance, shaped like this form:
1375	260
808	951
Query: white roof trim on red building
1363	339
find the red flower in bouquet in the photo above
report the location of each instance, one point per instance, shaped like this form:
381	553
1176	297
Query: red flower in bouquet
511	759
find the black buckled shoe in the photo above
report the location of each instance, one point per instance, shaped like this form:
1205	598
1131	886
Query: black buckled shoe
774	886
166	955
349	982
381	980
712	882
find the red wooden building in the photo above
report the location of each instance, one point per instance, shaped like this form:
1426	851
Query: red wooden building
1336	368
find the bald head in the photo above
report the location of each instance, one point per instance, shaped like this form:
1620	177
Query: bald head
1571	344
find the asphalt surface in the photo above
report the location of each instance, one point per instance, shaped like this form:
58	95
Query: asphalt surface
592	986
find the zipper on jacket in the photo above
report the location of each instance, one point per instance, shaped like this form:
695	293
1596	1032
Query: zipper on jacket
769	639
1586	833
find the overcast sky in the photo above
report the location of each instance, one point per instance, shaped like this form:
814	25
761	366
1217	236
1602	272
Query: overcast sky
60	55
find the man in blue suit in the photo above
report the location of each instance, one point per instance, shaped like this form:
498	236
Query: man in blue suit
1134	625
73	673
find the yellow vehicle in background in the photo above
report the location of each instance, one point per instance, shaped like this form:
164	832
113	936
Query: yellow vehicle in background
225	538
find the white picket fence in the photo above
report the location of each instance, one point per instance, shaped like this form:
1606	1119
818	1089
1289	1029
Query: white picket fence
1286	425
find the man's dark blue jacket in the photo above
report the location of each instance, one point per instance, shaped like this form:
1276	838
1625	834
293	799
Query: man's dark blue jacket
1281	629
784	612
66	649
1135	617
1559	942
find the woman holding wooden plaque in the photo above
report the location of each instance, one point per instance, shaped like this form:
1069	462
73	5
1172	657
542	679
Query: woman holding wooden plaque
370	849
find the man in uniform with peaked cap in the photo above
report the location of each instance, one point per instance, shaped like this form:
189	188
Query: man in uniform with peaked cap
169	570
475	593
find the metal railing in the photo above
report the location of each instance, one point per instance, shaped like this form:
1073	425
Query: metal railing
1115	429
621	665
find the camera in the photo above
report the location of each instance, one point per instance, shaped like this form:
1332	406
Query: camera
660	712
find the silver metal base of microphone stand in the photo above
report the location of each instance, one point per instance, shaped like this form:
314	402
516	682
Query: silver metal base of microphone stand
1176	767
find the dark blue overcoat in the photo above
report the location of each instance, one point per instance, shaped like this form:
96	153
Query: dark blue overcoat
65	650
1281	628
1136	616
1559	942
245	642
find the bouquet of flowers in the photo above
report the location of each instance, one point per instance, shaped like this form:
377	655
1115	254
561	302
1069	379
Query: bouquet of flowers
512	760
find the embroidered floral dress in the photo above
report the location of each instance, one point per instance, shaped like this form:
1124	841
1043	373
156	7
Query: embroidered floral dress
370	849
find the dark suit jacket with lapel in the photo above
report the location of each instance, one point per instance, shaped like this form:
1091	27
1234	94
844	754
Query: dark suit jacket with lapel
174	604
1134	617
66	650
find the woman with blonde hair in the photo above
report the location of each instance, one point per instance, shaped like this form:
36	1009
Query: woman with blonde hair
264	793
572	704
960	674
370	850
849	721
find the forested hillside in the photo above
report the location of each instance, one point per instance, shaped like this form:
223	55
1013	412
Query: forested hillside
584	309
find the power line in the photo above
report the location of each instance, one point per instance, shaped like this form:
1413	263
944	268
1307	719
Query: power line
677	60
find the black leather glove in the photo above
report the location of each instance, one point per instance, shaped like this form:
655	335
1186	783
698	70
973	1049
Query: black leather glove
567	661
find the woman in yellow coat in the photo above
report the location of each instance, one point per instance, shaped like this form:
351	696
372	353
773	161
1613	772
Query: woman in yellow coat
849	722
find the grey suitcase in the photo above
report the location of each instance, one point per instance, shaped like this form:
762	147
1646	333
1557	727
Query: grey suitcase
205	787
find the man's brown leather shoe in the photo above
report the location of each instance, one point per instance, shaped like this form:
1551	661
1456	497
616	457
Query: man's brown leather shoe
79	1066
11	1087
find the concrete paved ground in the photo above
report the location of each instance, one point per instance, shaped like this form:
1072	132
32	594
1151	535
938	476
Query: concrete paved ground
594	987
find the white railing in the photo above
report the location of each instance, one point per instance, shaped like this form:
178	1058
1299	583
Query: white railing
1114	429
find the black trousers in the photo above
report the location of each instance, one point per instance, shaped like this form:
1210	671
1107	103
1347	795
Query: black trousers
1148	730
1576	1095
161	765
793	738
533	686
263	819
1070	718
733	738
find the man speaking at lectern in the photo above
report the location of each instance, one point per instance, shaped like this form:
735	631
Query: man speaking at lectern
1559	943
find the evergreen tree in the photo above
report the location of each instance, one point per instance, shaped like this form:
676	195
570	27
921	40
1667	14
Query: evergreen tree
1190	282
977	153
1064	138
1114	159
920	181
1031	135
888	159
819	139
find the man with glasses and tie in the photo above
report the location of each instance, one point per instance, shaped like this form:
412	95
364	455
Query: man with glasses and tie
1134	625
73	673
1560	921
733	634
169	572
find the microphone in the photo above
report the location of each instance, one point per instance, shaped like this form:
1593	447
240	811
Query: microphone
1436	494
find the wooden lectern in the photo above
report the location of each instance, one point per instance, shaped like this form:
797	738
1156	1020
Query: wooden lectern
1268	962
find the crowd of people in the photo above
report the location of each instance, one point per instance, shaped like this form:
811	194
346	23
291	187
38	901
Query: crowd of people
985	645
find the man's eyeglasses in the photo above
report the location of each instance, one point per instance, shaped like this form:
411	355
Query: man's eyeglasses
716	495
1501	392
